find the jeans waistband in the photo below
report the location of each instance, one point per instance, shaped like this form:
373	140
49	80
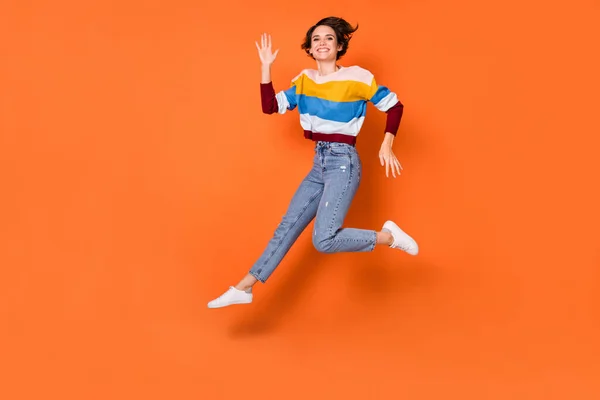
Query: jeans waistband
323	144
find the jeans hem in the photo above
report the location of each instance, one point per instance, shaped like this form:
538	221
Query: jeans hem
254	274
374	241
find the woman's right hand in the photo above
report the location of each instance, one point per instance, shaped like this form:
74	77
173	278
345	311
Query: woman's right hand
267	57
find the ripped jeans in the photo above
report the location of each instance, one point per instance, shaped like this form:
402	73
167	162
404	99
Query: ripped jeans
325	193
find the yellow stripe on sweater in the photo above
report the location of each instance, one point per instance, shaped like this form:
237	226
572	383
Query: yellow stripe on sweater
341	91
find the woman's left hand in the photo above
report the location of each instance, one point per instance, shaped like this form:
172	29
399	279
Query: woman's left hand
388	158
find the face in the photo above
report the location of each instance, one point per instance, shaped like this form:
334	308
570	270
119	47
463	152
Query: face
324	45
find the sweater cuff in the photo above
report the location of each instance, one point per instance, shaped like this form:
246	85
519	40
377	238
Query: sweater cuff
394	116
268	99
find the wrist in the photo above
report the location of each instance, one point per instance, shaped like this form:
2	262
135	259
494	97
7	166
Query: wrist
388	139
265	73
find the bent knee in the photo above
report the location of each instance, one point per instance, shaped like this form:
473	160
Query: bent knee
323	244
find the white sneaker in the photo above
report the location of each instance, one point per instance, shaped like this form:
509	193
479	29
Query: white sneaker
231	296
401	240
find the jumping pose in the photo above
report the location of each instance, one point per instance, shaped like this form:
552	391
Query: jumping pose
331	101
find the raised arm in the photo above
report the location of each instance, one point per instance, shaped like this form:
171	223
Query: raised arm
267	58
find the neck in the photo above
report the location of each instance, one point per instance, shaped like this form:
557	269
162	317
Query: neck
326	67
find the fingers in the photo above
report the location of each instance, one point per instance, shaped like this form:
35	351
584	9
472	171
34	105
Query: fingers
387	168
391	164
385	161
265	41
396	166
259	52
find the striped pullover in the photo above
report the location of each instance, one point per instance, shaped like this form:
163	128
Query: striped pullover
333	107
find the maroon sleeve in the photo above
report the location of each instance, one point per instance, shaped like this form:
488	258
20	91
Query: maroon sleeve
394	115
268	99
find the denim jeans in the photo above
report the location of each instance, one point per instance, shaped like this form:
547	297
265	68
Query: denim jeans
325	193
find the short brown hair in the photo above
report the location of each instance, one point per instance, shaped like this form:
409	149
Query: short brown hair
343	31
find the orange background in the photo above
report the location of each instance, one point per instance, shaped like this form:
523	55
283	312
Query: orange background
140	179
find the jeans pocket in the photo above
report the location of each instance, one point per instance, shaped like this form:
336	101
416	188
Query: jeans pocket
340	149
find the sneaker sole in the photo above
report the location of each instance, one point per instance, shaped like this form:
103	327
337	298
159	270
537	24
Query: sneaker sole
229	304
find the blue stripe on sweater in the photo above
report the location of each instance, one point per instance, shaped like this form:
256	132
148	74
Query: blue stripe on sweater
331	110
381	92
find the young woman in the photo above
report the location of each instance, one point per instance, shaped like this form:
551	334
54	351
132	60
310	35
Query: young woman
331	101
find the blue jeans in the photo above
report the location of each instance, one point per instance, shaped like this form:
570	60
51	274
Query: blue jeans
325	193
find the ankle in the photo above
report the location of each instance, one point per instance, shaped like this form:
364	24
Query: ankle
385	238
